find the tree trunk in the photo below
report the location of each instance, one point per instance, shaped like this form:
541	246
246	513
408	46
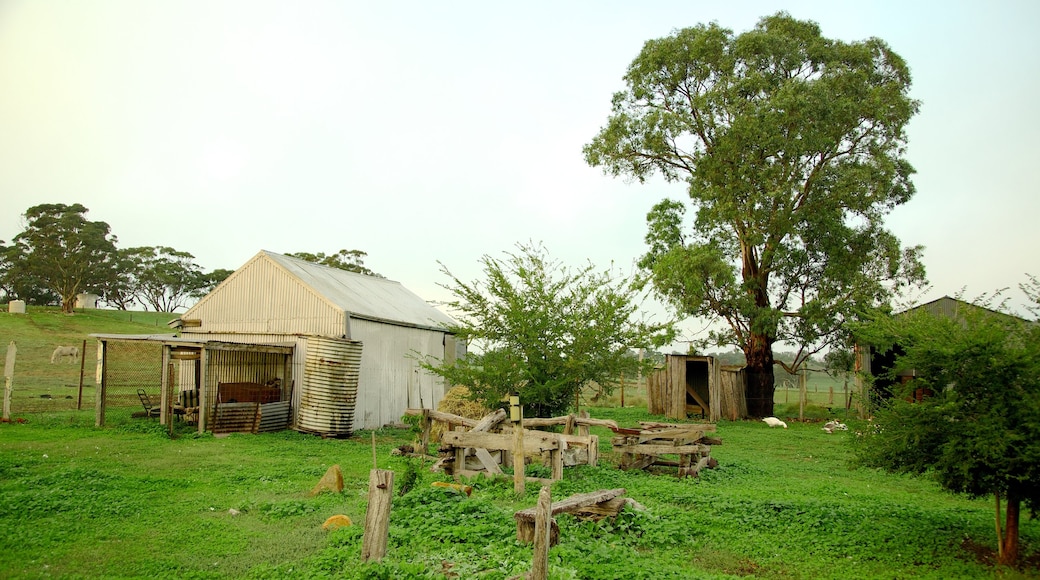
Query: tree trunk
759	372
1009	553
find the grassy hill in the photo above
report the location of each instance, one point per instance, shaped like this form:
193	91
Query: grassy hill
39	385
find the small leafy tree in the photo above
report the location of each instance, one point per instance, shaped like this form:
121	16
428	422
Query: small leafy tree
978	430
62	252
544	331
349	260
792	149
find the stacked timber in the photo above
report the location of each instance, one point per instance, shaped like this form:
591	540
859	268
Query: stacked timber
686	447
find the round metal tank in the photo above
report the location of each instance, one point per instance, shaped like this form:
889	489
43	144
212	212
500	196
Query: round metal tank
330	384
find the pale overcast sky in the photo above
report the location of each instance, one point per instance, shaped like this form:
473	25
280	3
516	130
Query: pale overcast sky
425	131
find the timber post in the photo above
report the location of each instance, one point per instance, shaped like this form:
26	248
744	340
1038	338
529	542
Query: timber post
377	517
12	351
542	526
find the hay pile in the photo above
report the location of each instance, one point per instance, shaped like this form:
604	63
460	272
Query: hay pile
457	402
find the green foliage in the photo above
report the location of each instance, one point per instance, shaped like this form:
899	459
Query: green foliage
792	147
87	502
162	277
349	260
977	430
545	331
61	253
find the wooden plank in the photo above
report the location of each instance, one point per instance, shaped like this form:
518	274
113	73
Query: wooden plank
487	461
657	425
693	393
580	421
578	500
689	434
651	449
534	441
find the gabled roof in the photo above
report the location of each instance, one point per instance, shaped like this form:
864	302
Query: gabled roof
365	297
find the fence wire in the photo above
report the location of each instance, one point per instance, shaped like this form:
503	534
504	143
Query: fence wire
62	376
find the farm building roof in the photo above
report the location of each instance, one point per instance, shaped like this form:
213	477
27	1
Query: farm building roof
364	296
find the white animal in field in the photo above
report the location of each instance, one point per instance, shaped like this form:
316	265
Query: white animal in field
835	425
774	422
67	354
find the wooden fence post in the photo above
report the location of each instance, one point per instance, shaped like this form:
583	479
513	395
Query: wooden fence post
12	350
542	527
424	436
377	517
82	367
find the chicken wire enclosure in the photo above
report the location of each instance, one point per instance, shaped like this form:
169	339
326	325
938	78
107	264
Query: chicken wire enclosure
125	367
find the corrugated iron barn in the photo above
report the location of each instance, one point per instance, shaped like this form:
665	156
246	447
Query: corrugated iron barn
356	339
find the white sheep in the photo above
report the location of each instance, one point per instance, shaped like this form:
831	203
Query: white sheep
835	425
774	422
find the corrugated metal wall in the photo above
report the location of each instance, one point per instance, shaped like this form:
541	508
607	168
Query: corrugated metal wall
265	300
391	378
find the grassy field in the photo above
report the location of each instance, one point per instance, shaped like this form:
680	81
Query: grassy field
129	501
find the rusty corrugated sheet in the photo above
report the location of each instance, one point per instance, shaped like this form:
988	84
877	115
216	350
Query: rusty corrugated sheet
328	397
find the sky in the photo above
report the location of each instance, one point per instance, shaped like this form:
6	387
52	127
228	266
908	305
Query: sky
428	133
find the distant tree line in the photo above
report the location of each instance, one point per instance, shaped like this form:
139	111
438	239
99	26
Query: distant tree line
60	254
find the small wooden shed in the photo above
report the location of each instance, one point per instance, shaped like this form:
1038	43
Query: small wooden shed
696	385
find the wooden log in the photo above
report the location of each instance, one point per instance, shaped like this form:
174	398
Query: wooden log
490	421
596	504
377	517
542	529
449	418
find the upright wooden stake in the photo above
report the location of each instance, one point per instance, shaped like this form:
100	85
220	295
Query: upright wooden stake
519	480
424	436
801	398
542	527
82	362
12	351
377	517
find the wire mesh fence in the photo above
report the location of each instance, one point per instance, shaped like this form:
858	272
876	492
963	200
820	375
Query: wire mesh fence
62	376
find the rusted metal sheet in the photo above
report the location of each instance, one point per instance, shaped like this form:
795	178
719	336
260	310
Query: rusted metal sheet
235	418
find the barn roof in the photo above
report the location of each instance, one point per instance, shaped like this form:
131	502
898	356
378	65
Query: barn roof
366	297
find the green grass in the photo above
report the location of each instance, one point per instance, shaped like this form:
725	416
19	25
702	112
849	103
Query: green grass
127	501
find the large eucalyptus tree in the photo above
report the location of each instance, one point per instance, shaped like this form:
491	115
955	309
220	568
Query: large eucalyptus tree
792	147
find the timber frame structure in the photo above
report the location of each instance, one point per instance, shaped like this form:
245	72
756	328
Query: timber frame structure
200	365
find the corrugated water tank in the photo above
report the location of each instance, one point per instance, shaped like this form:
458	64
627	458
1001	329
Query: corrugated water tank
329	392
